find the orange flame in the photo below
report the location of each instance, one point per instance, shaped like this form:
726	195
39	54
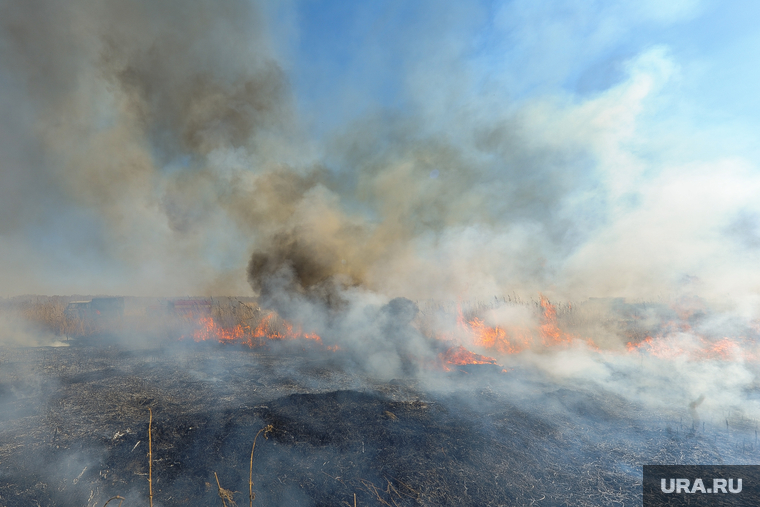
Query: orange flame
209	330
497	338
461	356
515	339
670	343
666	344
266	325
206	328
549	331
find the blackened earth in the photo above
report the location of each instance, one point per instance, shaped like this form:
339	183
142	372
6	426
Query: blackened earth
74	432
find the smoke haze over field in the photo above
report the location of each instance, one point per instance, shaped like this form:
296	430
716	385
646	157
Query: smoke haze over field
424	151
362	167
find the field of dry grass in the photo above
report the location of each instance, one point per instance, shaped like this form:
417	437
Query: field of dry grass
47	315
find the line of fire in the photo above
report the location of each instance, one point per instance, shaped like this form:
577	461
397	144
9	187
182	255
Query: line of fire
243	321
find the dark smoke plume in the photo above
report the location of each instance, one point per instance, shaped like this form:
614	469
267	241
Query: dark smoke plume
297	267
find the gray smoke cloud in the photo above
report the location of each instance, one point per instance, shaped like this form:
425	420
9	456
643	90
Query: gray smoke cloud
155	146
132	123
161	149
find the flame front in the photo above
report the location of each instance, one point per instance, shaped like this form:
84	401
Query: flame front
496	338
549	330
461	356
695	348
267	329
676	338
515	339
207	329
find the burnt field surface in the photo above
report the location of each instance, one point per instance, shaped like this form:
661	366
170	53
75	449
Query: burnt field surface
74	431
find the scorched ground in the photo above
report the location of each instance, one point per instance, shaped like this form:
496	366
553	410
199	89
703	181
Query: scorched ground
74	431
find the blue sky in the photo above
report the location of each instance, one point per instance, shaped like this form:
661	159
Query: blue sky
519	50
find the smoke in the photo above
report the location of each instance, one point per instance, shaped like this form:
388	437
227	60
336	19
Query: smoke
132	120
161	149
17	331
377	173
425	153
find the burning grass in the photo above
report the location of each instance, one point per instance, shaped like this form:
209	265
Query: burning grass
608	327
466	331
208	319
72	416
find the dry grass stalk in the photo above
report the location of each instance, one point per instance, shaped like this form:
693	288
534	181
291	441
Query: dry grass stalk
225	494
47	313
251	495
390	491
371	488
150	457
117	497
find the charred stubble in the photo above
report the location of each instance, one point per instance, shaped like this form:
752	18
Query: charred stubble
75	426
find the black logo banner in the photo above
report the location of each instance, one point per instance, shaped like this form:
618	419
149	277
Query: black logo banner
701	485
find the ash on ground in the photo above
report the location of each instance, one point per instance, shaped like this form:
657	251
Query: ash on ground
74	431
